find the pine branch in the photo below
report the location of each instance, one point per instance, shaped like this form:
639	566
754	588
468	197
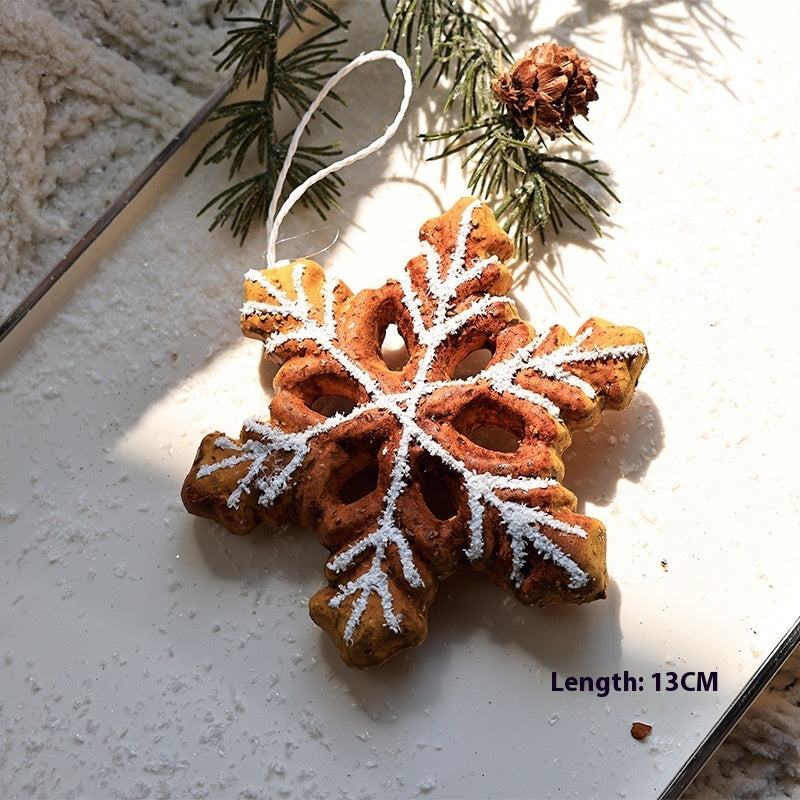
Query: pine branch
249	133
534	187
453	40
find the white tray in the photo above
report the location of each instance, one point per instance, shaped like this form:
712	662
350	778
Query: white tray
148	653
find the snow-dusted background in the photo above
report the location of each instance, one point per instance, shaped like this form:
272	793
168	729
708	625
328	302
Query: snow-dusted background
699	95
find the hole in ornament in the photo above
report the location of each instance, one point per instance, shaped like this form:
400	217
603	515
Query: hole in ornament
394	350
492	425
359	485
330	404
473	363
438	497
328	394
498	439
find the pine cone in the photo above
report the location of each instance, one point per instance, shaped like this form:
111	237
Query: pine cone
547	87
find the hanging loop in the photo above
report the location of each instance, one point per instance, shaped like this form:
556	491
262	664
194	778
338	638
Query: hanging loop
275	217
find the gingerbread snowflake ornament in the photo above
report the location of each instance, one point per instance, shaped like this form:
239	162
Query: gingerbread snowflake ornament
401	470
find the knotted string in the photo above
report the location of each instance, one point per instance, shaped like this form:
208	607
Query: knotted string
275	217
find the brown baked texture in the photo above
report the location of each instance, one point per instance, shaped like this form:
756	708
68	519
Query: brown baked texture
394	465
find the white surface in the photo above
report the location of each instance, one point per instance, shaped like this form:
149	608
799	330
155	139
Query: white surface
149	654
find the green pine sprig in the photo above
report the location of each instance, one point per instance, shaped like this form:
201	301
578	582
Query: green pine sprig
249	129
533	188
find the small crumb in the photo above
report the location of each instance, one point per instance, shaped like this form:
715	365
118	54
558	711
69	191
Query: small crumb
8	515
640	730
427	784
664	565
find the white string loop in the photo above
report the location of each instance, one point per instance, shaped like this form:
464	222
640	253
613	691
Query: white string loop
274	217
